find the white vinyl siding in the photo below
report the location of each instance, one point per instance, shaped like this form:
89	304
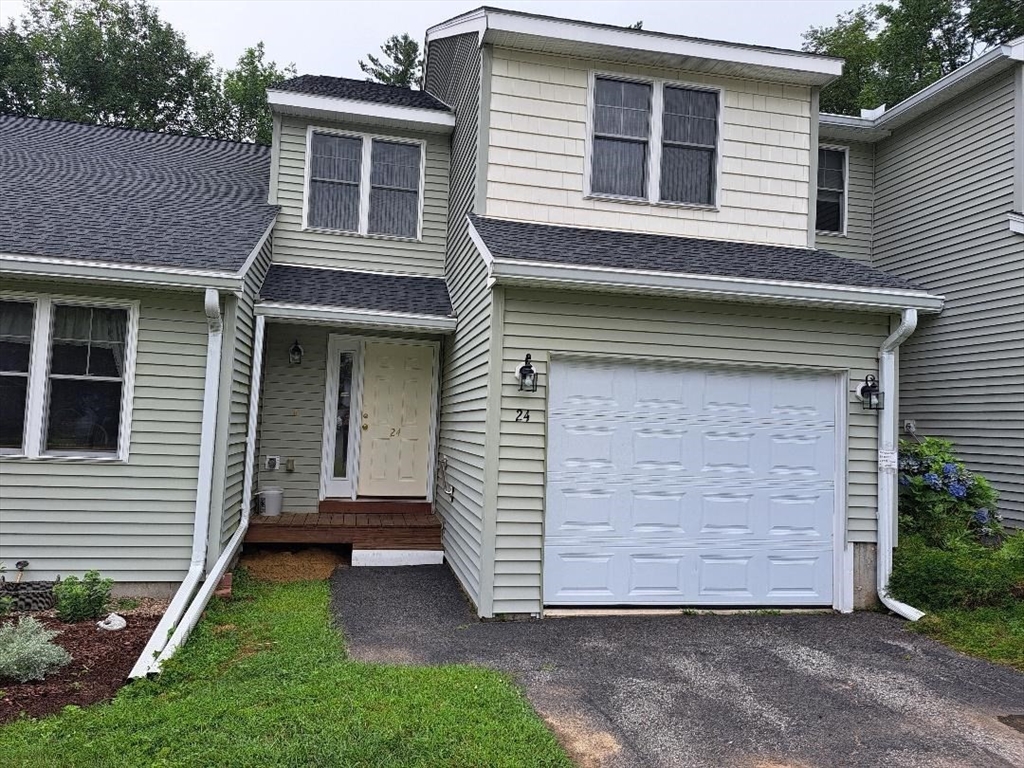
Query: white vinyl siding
546	323
453	75
537	154
295	245
132	521
856	243
944	186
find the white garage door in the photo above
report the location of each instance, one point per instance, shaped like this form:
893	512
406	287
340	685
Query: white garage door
684	485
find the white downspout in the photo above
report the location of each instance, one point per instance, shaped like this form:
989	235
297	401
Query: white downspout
887	463
195	610
204	490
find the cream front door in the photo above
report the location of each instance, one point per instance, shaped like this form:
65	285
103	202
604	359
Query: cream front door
398	391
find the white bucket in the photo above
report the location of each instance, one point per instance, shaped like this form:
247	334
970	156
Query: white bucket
272	500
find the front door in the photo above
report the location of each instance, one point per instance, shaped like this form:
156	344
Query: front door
398	394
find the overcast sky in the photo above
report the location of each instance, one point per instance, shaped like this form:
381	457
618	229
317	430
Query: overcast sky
326	37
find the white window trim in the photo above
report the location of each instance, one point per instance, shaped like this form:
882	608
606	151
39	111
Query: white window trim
39	377
364	183
846	190
654	141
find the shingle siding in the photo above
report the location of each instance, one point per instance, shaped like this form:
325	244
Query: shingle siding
537	154
944	186
293	245
132	522
453	75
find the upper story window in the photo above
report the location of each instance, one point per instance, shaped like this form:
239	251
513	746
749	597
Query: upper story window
364	185
654	141
831	205
65	377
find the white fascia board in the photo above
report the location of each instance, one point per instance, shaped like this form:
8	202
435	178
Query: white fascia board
432	120
847	128
489	20
1016	221
711	287
128	274
358	318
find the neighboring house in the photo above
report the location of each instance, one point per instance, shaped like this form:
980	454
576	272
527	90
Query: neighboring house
566	301
932	190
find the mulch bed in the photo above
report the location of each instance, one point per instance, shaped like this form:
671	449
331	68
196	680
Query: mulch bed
100	663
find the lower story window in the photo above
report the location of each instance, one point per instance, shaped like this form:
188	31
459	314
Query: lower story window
65	377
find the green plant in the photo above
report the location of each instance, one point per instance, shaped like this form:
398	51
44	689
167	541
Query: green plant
960	574
81	599
6	605
27	651
126	604
940	498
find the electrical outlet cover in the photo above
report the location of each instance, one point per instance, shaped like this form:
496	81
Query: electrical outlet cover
272	462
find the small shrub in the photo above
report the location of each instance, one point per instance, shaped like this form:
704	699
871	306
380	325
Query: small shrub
6	605
940	498
960	574
27	651
81	599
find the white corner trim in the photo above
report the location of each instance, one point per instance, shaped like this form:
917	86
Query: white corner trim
486	21
45	267
1016	222
393	557
428	119
354	317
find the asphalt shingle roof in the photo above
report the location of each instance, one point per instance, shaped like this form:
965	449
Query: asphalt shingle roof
685	255
361	90
356	290
130	197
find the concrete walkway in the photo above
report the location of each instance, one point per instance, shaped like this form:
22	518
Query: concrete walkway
739	690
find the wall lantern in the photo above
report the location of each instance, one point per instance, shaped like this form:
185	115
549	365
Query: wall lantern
871	397
527	376
295	354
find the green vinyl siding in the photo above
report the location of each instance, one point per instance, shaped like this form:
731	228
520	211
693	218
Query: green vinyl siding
131	521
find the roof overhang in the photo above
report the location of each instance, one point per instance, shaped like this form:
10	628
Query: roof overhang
361	112
517	272
150	276
546	34
957	82
353	317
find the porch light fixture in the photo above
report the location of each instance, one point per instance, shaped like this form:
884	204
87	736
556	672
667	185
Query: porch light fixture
295	354
527	376
871	397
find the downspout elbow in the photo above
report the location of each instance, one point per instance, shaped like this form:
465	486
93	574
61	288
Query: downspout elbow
887	464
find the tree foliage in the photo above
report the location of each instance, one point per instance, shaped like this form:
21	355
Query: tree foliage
115	62
402	66
894	49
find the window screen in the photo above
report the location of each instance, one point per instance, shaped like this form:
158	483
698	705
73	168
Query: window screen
334	182
394	189
622	116
87	357
689	146
15	352
831	208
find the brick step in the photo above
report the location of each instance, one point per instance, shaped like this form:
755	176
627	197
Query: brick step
379	506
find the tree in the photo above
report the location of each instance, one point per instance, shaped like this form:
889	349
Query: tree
852	38
405	65
114	62
996	21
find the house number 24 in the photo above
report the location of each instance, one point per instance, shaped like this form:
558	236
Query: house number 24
522	415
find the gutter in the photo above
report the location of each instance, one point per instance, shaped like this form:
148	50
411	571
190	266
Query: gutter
887	464
195	610
204	492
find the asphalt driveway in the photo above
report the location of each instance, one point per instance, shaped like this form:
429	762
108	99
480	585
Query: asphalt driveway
706	690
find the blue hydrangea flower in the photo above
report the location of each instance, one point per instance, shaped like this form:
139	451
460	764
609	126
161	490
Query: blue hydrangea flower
932	480
949	469
957	490
981	516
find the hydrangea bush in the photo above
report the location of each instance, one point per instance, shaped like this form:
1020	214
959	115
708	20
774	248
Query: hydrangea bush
940	499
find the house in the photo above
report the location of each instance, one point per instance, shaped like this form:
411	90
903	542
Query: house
932	191
561	319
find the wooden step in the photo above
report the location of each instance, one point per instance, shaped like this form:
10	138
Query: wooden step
379	506
362	530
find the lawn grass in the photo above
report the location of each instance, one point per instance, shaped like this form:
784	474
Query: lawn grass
996	634
264	682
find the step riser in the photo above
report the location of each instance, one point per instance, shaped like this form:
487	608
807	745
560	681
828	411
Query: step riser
340	506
